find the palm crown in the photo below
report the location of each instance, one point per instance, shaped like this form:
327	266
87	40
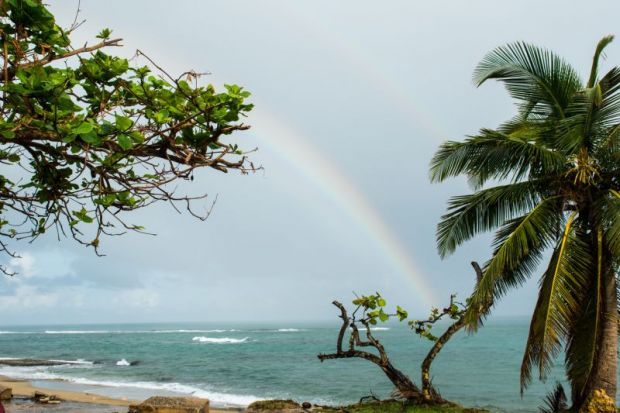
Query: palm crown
556	163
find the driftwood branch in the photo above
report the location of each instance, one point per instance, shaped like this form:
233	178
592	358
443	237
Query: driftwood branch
403	384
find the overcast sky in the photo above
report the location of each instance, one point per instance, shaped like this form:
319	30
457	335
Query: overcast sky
352	99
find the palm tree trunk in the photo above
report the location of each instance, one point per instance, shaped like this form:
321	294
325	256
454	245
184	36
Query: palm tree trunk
604	373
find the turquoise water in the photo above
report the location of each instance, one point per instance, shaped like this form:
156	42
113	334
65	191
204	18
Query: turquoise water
234	365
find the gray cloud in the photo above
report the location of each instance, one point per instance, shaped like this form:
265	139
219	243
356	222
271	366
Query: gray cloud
374	87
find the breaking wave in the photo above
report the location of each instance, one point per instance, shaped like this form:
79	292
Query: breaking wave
77	332
216	398
222	340
122	331
192	331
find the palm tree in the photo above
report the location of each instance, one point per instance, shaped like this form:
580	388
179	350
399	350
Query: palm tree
547	180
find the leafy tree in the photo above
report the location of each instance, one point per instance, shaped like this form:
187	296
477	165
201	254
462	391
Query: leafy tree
85	137
547	180
370	310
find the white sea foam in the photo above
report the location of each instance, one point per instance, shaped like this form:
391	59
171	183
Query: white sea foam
123	331
216	398
192	331
289	330
78	332
218	340
123	362
17	332
78	362
363	329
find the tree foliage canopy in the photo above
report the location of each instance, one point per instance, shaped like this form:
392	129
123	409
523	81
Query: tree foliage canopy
86	136
546	180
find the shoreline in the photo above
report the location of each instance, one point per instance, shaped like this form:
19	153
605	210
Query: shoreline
25	388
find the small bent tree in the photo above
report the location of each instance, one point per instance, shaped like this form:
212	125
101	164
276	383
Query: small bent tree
369	311
86	137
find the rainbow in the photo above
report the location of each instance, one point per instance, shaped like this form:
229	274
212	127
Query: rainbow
290	145
293	147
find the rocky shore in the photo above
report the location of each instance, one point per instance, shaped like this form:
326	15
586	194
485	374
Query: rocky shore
32	362
22	396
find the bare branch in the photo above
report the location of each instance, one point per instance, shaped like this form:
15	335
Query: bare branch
402	383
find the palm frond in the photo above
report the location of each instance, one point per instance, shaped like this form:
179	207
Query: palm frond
545	82
609	210
558	300
602	44
555	402
483	210
518	247
590	115
495	155
610	105
608	120
585	332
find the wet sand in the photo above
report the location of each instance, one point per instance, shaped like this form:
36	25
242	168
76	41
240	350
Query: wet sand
74	402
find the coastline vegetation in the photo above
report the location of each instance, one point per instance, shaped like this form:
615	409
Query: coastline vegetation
375	406
92	138
361	343
547	180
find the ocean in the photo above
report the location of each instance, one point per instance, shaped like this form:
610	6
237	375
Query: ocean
235	364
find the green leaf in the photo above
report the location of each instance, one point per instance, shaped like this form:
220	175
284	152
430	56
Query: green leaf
162	116
123	123
104	34
83	216
136	136
401	314
125	142
383	316
83	128
8	134
90	137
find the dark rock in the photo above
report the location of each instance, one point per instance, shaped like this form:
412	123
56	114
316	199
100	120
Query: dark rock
274	406
6	393
43	398
30	363
306	405
171	405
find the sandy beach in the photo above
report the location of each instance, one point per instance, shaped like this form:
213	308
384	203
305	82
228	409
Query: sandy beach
80	401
